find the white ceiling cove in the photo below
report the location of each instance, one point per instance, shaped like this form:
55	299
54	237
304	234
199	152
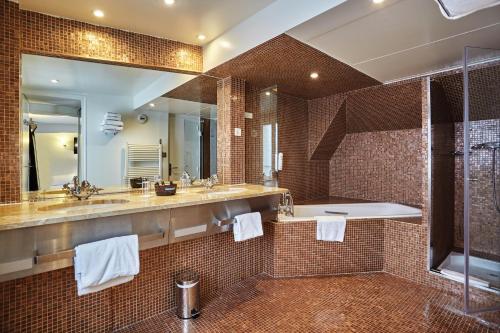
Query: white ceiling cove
398	38
182	21
86	77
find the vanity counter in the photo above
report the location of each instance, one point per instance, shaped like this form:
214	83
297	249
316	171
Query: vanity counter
30	214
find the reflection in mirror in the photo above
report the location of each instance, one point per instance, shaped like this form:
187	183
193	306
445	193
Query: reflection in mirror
108	124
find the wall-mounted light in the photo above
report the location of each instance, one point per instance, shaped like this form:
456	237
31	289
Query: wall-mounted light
169	2
54	81
151	105
201	37
268	93
98	13
314	75
377	1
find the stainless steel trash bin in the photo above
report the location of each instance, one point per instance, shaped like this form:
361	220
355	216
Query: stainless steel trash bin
188	294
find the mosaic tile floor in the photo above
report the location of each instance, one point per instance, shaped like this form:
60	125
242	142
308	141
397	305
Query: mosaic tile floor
353	303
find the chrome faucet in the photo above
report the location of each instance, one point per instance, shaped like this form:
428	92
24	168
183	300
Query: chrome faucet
79	190
286	204
186	180
210	181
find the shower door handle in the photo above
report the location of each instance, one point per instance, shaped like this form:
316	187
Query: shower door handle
473	179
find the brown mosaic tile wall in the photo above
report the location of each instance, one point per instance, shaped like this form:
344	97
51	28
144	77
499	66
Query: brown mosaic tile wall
48	302
484	83
287	63
10	178
202	89
296	252
53	36
484	220
305	179
443	190
326	132
385	108
230	115
381	166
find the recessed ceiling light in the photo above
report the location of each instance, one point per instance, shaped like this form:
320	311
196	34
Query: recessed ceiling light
201	37
169	2
98	13
378	1
54	81
152	105
268	93
314	75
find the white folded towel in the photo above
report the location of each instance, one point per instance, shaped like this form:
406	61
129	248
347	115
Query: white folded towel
111	127
113	115
330	228
112	122
106	263
247	226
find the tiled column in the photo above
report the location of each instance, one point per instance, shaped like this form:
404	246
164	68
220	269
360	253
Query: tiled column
230	118
10	178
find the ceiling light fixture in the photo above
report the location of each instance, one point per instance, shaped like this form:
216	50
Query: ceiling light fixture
152	105
314	75
98	13
54	81
377	1
201	37
169	2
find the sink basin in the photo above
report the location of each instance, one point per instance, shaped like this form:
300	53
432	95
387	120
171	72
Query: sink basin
83	205
232	190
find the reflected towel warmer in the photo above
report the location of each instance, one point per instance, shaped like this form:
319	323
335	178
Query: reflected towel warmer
143	161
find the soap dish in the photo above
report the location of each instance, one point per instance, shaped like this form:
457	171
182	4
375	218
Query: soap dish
165	189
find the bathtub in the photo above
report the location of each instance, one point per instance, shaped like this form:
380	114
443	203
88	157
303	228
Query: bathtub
371	210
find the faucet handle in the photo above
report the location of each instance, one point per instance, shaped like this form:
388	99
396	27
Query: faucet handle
214	179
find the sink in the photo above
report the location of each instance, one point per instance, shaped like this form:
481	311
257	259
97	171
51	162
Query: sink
82	205
232	190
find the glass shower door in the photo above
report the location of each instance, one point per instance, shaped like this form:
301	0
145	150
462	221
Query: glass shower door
481	138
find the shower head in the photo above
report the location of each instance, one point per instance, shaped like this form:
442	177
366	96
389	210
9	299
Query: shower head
487	145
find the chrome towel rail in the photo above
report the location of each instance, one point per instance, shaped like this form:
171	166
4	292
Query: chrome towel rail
266	215
336	213
69	254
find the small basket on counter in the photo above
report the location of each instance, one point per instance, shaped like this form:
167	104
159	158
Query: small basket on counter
163	189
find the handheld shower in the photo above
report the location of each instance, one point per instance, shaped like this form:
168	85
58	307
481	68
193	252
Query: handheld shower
495	146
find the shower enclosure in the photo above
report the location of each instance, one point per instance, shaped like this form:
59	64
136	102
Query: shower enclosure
481	134
465	134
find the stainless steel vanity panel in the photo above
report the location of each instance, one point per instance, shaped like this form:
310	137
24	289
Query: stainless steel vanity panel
198	221
21	245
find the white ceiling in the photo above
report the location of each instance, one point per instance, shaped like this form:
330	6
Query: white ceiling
179	106
182	21
86	77
398	38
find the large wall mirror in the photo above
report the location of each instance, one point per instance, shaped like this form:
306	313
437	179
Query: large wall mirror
108	124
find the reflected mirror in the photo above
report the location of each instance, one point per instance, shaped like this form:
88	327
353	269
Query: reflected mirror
109	124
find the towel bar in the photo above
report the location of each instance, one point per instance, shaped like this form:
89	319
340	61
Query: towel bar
69	254
265	215
336	213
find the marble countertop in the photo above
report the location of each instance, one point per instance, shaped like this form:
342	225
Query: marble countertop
29	214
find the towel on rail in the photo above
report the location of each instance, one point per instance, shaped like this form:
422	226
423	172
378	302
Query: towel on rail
106	263
247	226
